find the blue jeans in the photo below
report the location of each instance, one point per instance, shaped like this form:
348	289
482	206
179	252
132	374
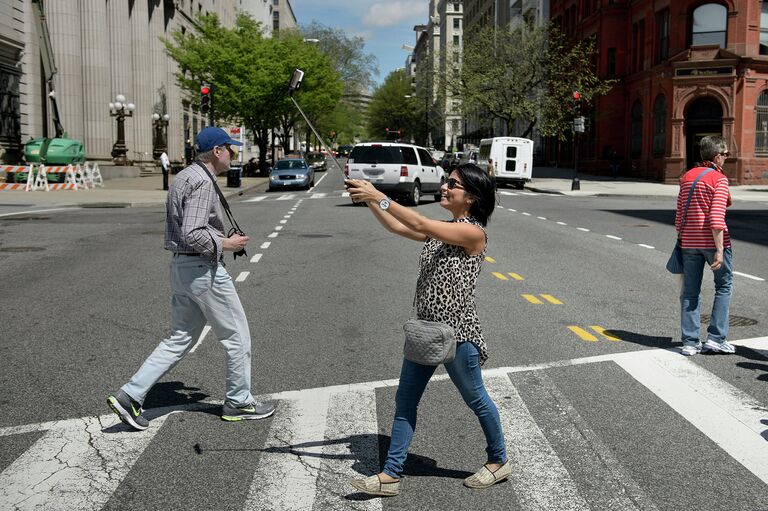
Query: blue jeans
694	260
202	292
465	373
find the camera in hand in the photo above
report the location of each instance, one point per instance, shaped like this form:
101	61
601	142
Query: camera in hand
232	232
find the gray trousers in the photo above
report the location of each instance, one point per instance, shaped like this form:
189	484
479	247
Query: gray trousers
202	292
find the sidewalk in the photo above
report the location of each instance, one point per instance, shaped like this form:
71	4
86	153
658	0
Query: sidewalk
559	180
120	192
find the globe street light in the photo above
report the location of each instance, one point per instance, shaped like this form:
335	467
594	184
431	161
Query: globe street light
120	109
160	139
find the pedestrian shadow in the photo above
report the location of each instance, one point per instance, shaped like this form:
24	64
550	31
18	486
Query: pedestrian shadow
752	366
764	434
651	341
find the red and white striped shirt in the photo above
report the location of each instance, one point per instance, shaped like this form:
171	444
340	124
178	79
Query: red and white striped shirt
707	209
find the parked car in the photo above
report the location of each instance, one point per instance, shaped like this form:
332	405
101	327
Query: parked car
316	160
292	172
469	156
397	169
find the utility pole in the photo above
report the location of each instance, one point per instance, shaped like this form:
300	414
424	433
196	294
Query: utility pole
578	127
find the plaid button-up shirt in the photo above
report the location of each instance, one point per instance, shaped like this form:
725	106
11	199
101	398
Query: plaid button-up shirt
194	223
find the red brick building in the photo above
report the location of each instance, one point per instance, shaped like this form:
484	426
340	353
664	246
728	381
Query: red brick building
686	69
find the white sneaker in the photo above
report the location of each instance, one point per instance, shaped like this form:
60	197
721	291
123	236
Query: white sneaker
719	347
690	349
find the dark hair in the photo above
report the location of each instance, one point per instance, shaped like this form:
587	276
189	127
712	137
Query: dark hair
481	187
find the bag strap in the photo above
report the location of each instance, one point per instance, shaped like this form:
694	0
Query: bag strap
690	196
222	199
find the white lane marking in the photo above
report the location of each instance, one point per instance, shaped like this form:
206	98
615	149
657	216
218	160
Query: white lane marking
611	486
747	275
318	195
317	182
351	448
36	211
273	235
728	416
283	221
646	246
283	480
561	223
243	275
256	199
507	193
256	258
512	210
526	214
539	478
583	229
266	244
287	217
76	464
500	207
206	329
279	228
345	194
541	217
612	237
285	197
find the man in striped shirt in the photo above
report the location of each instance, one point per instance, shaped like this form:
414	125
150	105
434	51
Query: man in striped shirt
704	240
202	289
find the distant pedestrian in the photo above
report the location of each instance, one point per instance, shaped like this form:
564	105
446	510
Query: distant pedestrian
705	240
615	164
202	290
450	263
165	163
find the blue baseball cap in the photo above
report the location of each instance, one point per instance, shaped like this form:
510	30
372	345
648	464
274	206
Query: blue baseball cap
213	136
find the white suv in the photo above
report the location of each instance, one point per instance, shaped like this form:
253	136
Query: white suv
397	169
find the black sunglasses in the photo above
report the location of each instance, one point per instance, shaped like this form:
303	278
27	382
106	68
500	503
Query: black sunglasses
454	183
726	154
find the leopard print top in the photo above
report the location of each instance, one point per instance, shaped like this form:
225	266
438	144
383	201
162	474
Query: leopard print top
445	290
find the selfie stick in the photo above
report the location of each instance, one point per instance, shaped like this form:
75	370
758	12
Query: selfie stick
294	85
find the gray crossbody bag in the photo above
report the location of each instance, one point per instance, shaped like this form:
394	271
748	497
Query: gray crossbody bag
428	343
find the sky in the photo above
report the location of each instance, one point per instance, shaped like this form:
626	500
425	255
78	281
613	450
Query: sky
384	25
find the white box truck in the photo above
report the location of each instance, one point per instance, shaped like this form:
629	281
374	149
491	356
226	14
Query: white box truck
508	159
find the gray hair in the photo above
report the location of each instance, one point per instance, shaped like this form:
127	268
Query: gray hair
711	147
207	156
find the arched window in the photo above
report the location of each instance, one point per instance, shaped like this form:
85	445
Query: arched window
636	134
659	125
709	25
761	125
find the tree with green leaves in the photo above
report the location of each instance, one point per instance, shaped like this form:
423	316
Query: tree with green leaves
249	74
390	108
526	77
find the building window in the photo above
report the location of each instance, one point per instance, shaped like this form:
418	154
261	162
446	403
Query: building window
457	23
636	133
659	125
764	28
276	20
709	25
662	35
456	40
761	125
456	7
611	65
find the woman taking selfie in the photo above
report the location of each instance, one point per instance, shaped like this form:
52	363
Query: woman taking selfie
449	265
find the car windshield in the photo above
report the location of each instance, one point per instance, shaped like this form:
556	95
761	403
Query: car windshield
311	157
376	154
290	164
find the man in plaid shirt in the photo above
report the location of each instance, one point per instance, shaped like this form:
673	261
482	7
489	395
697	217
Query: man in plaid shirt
202	289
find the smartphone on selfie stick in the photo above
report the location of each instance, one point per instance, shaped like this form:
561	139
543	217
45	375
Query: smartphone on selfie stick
293	86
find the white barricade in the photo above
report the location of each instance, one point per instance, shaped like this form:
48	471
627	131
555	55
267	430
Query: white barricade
83	177
92	170
70	182
29	169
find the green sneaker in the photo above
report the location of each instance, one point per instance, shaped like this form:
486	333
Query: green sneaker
254	410
128	410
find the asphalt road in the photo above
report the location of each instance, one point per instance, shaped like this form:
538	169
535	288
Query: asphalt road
86	299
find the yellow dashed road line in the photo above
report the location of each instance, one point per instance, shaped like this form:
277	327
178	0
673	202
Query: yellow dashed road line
499	276
532	299
602	331
490	259
552	299
585	336
515	276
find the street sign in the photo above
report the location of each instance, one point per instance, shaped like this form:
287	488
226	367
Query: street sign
578	124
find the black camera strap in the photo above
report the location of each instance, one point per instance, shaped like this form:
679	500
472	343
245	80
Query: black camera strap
235	228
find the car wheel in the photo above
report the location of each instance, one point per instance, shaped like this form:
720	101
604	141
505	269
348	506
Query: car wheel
414	197
520	185
439	194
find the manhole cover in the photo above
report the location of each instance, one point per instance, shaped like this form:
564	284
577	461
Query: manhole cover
732	320
21	249
23	218
316	235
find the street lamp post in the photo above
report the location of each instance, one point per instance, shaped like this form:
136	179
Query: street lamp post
160	126
120	110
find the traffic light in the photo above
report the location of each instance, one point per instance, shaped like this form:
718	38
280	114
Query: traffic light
576	104
205	98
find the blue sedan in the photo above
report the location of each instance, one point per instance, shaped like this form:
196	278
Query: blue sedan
292	172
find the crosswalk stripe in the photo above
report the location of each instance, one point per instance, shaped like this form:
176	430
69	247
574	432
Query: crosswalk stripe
76	465
540	480
318	195
728	416
256	199
286	197
610	486
351	440
283	479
